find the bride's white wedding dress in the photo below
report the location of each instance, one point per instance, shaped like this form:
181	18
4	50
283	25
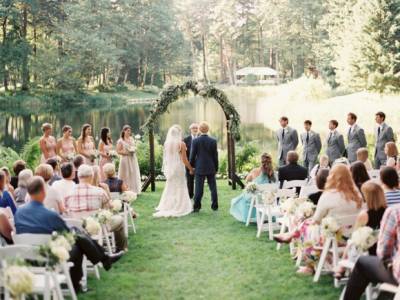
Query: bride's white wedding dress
175	201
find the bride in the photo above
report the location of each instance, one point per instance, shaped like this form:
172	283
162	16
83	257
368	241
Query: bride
175	201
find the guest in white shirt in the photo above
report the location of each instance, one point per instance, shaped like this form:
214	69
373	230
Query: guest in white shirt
66	184
362	155
53	200
323	164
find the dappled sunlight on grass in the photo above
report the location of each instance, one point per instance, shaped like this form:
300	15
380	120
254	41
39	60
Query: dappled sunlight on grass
204	256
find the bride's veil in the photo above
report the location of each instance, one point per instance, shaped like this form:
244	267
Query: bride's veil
171	159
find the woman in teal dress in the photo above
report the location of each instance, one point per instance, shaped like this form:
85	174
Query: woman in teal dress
264	174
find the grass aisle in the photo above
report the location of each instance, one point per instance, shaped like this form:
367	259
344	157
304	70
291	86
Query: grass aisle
204	256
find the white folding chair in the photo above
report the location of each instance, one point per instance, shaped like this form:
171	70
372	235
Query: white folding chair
374	174
261	187
294	183
284	221
87	266
270	212
330	245
128	219
307	190
109	239
41	239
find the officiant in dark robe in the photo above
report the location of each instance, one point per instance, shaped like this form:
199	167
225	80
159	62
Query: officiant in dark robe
194	130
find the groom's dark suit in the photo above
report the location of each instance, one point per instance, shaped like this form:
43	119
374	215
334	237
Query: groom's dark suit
204	158
189	177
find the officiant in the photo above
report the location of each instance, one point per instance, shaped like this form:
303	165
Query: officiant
194	131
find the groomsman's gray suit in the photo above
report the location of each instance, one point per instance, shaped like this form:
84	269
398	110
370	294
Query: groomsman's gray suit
311	147
335	146
287	141
356	140
383	134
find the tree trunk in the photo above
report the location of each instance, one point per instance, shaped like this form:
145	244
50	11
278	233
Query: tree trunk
260	46
34	48
204	58
144	72
139	73
152	78
5	71
25	68
221	59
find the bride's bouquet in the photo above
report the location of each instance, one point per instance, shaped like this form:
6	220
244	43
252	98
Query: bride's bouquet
364	238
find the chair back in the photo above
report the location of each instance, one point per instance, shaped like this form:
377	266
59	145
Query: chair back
294	183
25	252
115	195
74	223
347	223
270	187
374	174
31	239
281	193
307	190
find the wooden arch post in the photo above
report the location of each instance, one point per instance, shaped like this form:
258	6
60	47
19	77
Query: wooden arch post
172	94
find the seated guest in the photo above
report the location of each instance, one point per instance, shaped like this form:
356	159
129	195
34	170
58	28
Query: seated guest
340	198
115	184
66	184
6	227
320	181
390	184
391	154
362	155
78	161
341	161
264	174
323	164
35	218
85	199
385	267
359	173
53	200
292	171
22	189
8	187
96	181
6	199
18	166
56	170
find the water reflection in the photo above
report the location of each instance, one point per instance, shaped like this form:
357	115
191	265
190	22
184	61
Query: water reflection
19	124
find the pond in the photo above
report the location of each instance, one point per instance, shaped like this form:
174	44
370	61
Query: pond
19	124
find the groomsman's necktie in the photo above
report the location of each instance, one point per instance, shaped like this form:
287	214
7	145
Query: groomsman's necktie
379	130
308	137
330	136
348	135
283	134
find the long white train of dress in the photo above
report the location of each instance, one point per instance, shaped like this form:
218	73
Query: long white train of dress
175	200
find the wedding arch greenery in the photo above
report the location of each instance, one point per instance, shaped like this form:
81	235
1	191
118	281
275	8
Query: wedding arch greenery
173	93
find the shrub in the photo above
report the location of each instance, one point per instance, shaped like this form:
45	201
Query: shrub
31	153
223	163
7	157
143	153
244	155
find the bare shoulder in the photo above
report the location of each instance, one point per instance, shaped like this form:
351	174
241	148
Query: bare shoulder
183	146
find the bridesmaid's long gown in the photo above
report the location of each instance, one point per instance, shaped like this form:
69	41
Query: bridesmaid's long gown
129	170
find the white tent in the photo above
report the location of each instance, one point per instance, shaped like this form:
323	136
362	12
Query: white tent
258	71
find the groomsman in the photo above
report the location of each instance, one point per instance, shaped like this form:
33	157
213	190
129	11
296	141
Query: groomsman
194	130
287	140
383	134
311	146
355	138
335	142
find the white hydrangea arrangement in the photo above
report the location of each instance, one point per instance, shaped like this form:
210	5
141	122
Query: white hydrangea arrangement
251	188
92	226
57	250
268	197
329	226
70	157
116	205
128	196
104	216
18	280
113	154
363	238
290	205
305	210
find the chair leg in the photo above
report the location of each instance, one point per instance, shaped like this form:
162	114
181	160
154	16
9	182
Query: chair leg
261	224
283	229
71	288
96	271
85	272
368	292
57	293
321	262
250	211
270	225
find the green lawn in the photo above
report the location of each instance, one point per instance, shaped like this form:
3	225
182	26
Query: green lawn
203	256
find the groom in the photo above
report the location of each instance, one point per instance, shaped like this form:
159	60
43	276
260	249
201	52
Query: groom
204	159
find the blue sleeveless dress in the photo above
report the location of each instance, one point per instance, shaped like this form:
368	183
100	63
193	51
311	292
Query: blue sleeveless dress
241	204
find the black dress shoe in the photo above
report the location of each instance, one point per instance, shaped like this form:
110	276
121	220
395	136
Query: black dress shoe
195	211
111	259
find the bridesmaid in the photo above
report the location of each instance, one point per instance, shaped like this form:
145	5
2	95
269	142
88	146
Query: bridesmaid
129	167
105	146
86	146
66	146
47	143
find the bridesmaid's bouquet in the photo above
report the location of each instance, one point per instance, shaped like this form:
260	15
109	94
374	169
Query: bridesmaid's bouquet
70	157
95	155
113	154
